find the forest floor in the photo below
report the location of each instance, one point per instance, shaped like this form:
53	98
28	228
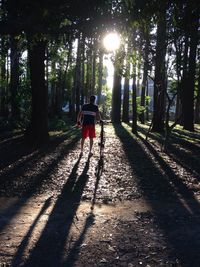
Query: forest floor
142	209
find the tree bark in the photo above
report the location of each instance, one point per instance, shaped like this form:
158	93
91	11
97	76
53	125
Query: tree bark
82	69
134	103
116	93
14	79
78	76
145	73
3	80
160	79
197	104
189	81
88	91
125	111
94	57
38	130
100	76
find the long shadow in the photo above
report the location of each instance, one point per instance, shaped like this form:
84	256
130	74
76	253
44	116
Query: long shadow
18	256
189	159
15	148
36	180
75	250
49	249
98	173
180	221
193	135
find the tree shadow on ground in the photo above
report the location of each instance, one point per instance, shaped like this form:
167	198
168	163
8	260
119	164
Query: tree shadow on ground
15	182
75	249
49	249
15	148
187	134
24	243
98	172
159	184
181	150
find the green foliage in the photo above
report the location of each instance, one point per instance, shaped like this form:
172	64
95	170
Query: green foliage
57	125
141	109
105	106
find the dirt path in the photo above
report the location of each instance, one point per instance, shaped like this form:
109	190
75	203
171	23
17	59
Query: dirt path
55	210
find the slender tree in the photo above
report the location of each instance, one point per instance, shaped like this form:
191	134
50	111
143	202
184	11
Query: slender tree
145	72
192	15
134	103
14	79
116	93
160	73
197	104
125	111
100	77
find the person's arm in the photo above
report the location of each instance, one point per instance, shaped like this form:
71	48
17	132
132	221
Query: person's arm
98	116
80	114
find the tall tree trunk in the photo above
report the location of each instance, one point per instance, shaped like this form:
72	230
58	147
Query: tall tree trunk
53	91
59	93
3	80
38	130
188	88
145	73
82	69
178	104
139	64
88	91
197	104
147	101
100	77
179	48
125	111
14	79
160	79
94	57
116	93
134	103
78	76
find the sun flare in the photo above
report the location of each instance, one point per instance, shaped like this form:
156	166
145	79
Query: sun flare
111	41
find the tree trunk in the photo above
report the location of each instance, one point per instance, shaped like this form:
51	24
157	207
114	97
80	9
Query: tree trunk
100	76
144	80
116	94
134	104
179	48
59	93
125	112
38	130
178	105
188	88
3	81
159	82
53	91
147	101
88	91
197	105
77	83
14	79
82	69
94	57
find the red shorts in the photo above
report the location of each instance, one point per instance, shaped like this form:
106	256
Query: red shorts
88	131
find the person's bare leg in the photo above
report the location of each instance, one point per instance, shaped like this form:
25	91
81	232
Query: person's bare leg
82	144
91	145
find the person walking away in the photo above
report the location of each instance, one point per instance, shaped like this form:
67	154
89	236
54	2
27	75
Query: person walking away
88	115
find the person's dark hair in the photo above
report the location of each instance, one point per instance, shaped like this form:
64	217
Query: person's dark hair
92	99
